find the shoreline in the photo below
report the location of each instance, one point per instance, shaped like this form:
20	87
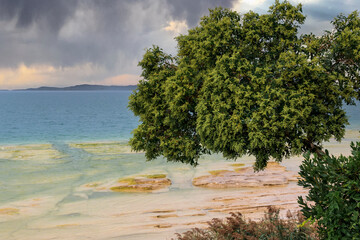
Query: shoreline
45	197
350	133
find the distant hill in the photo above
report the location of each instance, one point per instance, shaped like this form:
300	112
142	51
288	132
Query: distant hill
83	87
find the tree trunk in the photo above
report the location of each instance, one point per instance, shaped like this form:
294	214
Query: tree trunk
314	148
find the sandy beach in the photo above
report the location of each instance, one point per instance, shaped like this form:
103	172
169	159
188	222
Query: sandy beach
65	209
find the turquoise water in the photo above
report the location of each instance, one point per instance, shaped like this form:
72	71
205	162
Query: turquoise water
60	118
44	168
41	117
28	117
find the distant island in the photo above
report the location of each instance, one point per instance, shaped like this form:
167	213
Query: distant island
82	87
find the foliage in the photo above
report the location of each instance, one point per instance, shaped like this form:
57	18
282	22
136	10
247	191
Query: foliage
247	85
334	195
236	227
339	52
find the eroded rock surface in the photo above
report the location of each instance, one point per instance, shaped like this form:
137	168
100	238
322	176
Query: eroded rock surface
103	148
37	152
26	208
142	183
273	175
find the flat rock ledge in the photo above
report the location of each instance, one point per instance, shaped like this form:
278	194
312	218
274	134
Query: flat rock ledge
273	175
143	183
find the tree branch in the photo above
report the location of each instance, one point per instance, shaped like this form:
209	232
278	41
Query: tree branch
314	148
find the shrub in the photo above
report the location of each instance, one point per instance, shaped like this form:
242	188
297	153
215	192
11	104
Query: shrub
334	196
271	227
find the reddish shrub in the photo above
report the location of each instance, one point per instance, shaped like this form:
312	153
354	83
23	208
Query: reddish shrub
271	227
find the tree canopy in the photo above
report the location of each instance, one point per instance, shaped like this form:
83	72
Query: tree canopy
247	84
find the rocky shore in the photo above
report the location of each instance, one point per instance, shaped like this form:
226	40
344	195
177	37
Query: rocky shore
104	191
273	175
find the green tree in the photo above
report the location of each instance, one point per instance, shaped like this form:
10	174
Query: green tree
334	193
247	85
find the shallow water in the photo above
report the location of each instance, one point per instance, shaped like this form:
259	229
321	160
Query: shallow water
54	143
45	199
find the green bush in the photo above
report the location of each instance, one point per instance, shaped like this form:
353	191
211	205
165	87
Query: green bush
269	228
334	196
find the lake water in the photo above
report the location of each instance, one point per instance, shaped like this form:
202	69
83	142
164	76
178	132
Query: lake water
28	117
54	143
43	117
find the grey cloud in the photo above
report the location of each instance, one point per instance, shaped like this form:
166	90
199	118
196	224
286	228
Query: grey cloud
53	13
110	33
326	10
117	29
48	14
192	10
321	13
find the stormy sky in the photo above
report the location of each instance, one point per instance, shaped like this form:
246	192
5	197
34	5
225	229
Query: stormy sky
69	42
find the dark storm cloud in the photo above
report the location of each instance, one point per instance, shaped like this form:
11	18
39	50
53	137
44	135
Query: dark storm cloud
49	14
115	27
53	13
192	10
114	33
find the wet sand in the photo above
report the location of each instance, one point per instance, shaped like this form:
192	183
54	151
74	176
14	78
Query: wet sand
58	207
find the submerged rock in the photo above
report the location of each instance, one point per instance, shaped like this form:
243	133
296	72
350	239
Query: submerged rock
38	152
103	148
142	183
273	175
27	208
9	211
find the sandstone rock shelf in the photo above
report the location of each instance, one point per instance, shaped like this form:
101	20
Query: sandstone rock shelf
273	175
141	183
